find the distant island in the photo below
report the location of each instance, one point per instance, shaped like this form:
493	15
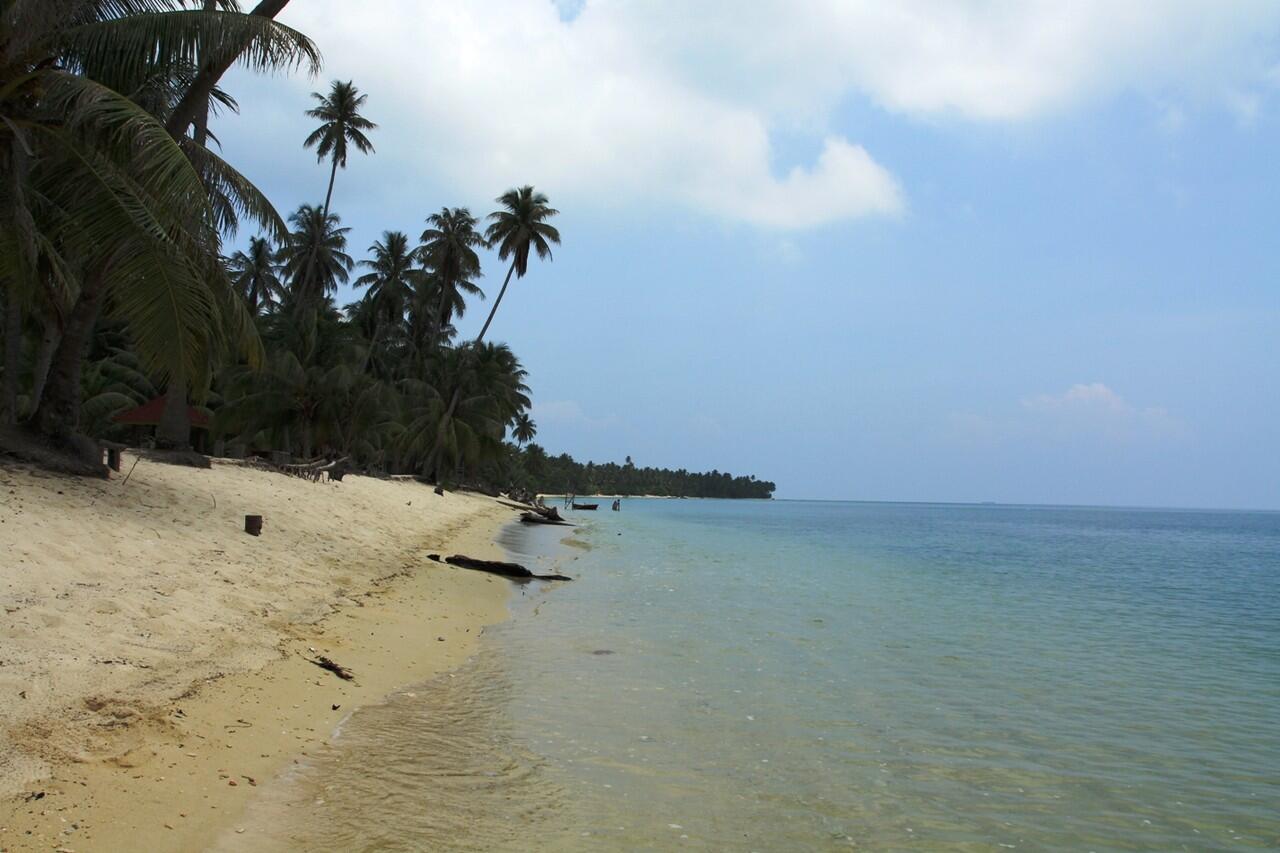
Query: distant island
542	473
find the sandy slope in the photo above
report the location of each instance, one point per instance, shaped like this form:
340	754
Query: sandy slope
139	619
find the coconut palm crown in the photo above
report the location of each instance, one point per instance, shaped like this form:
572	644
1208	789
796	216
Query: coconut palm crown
448	249
520	226
341	125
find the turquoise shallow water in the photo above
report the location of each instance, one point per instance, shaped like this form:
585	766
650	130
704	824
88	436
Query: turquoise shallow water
818	676
791	675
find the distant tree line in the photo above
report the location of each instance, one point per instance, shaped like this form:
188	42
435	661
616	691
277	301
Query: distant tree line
540	472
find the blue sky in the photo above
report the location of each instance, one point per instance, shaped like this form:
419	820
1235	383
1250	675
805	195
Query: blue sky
921	251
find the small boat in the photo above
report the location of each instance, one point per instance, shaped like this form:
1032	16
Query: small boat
577	505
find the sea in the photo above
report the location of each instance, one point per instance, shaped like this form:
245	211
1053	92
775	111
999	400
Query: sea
804	675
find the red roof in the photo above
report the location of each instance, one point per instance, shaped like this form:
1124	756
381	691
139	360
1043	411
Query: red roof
149	413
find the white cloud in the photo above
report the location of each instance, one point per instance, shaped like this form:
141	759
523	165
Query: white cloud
1091	412
974	59
634	102
568	413
1095	396
1245	106
1094	408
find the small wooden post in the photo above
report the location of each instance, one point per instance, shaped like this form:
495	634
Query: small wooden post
253	525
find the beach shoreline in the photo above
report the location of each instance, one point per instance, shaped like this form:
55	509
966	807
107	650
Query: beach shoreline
156	662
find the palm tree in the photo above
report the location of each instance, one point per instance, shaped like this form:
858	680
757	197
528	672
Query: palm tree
392	282
523	429
341	125
253	275
99	202
313	256
448	249
484	386
519	227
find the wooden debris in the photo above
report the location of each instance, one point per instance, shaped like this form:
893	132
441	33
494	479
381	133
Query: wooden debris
534	518
514	571
336	668
317	470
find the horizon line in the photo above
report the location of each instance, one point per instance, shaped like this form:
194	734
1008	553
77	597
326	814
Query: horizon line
1031	504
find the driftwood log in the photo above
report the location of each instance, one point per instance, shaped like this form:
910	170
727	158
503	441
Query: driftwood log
551	518
494	567
334	667
318	470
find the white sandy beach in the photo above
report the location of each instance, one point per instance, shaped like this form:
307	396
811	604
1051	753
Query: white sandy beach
153	656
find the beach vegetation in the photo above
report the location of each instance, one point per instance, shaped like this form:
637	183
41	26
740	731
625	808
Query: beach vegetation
129	287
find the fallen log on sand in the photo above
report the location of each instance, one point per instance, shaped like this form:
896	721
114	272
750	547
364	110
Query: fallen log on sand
494	567
534	509
532	518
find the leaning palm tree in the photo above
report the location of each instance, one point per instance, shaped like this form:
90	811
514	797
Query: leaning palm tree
520	226
448	249
253	275
515	230
523	429
341	125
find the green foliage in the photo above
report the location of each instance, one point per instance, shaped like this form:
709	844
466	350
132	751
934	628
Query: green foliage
521	225
535	471
341	124
313	256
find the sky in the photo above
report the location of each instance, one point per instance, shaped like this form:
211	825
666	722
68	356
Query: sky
927	251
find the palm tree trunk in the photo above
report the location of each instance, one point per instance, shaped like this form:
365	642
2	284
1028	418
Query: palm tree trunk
434	459
497	302
12	355
58	412
201	121
328	196
307	271
174	429
44	358
439	320
210	73
373	343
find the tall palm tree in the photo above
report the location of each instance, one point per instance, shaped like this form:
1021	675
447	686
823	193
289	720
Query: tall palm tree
392	282
520	226
313	256
448	249
523	429
340	125
253	275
